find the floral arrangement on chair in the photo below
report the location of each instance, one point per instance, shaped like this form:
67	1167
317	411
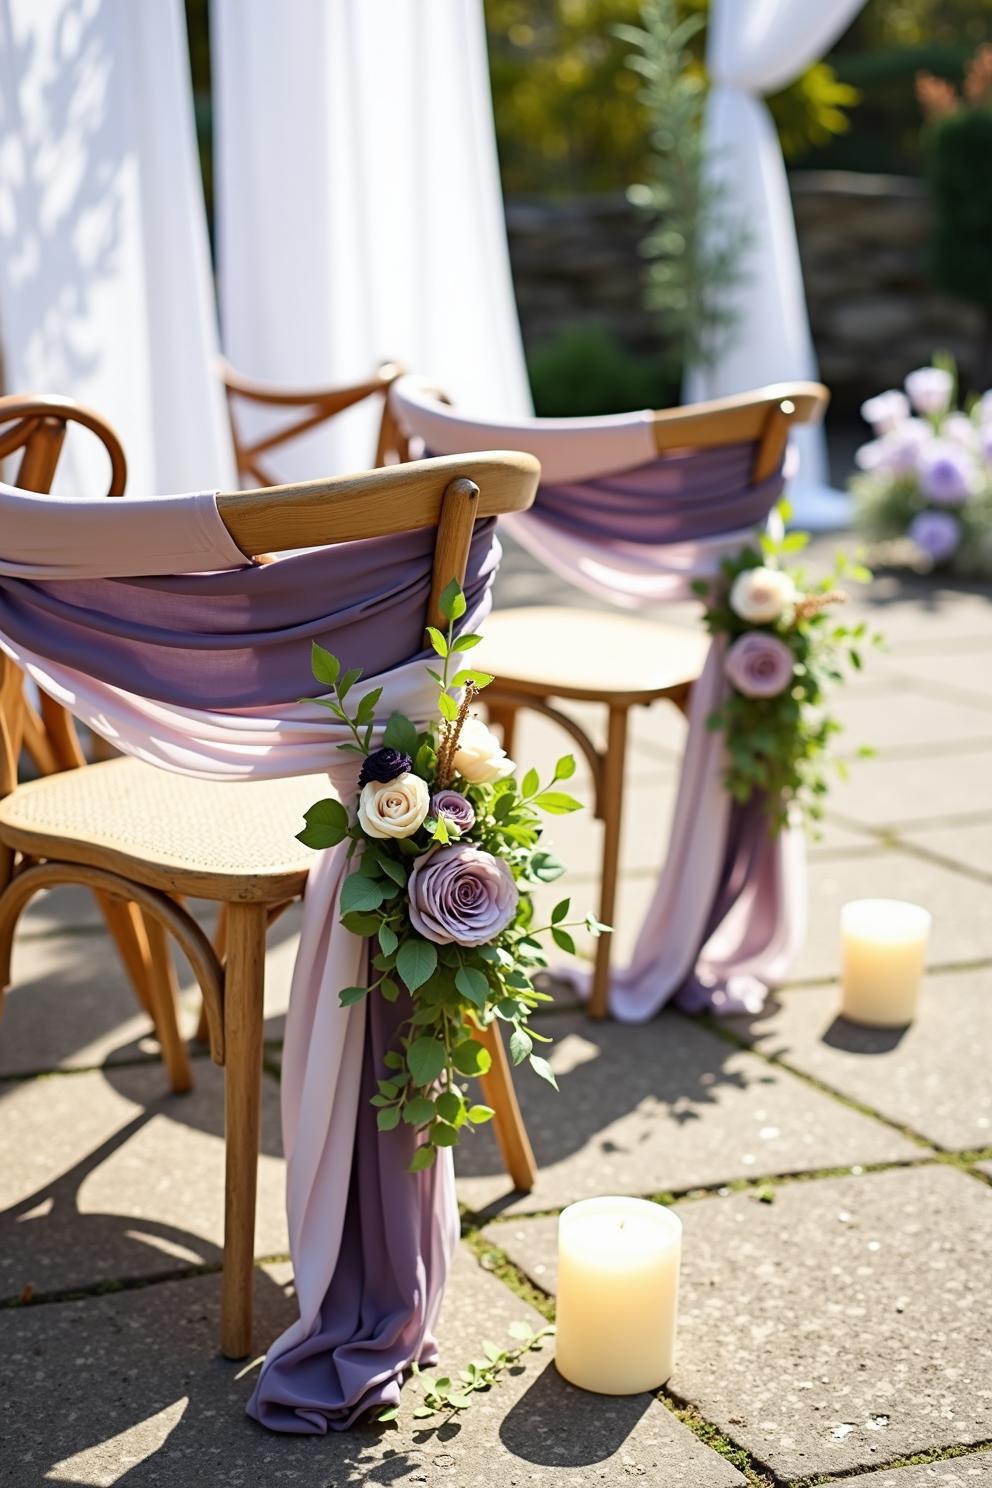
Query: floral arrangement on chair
784	651
925	491
446	851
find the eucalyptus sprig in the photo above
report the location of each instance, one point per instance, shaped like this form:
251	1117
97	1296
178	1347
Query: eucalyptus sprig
458	988
449	1396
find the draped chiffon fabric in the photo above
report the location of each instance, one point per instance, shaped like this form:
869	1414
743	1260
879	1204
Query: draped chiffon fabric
199	674
637	528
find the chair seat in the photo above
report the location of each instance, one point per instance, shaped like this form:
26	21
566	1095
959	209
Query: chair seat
209	838
593	655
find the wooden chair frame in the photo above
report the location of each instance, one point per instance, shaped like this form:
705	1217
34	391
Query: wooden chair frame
764	417
448	495
315	405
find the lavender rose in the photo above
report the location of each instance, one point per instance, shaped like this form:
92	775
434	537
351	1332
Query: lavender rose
936	534
461	894
947	473
454	808
384	764
758	665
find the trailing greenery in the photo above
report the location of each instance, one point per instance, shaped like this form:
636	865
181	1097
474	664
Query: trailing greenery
446	1396
446	855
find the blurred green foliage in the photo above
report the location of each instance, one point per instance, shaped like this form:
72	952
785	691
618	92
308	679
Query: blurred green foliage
584	369
959	152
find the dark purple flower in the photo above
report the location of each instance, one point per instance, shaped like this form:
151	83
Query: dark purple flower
455	808
759	665
383	764
462	894
936	534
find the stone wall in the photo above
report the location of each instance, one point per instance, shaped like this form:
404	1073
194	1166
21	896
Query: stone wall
863	239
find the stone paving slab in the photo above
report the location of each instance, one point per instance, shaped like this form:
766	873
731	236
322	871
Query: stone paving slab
130	1388
932	1077
71	1005
105	1177
665	1107
897	793
843	1325
960	670
967	843
961	908
905	720
967	1471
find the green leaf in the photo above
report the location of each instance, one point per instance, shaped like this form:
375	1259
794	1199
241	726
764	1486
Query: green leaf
452	602
565	768
449	1106
425	1059
416	960
560	911
470	1058
388	939
348	681
348	995
392	1060
458	1400
418	1111
521	1044
365	711
327	824
439	831
523	1331
423	1158
360	924
546	867
360	893
422	1410
400	734
473	985
466	642
530	783
324	665
556	803
447	707
395	870
472	674
388	1118
479	1115
437	640
388	1414
542	1067
563	940
443	1135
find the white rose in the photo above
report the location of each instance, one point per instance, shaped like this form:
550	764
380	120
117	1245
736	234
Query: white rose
886	410
393	808
480	757
930	389
759	595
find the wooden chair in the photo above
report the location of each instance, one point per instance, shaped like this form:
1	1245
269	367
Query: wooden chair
138	835
315	406
543	656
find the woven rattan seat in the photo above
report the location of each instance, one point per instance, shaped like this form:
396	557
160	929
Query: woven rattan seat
203	832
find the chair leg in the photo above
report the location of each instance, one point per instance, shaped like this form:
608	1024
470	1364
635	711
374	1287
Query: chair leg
504	716
511	1134
202	1035
243	989
127	928
162	990
611	812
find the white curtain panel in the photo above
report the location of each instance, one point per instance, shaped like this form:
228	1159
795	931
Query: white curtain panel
359	213
755	47
105	282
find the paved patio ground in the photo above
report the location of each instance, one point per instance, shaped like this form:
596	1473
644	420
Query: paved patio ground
835	1184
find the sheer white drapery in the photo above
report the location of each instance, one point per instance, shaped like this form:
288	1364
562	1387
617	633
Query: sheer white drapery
105	281
359	214
755	47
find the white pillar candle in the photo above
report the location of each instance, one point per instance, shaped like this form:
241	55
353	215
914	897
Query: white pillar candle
883	953
618	1281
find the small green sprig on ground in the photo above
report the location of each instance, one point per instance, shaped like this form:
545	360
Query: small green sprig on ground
446	1396
440	804
786	650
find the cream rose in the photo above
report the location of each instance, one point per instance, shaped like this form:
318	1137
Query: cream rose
480	757
759	595
393	808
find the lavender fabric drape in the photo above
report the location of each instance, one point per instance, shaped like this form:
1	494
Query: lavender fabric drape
636	527
195	674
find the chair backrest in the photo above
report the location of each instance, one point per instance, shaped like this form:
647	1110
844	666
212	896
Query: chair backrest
35	427
446	495
573	449
313	406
